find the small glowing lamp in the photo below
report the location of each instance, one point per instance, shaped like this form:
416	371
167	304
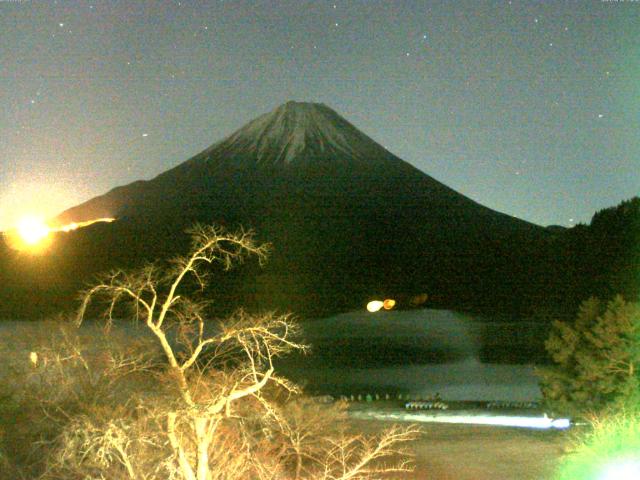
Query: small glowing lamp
389	303
374	306
622	470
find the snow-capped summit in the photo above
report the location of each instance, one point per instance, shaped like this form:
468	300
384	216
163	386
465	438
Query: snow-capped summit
295	131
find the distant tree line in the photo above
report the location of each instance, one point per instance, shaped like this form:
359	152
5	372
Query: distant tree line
603	258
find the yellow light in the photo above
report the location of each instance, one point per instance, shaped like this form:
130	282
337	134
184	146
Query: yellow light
374	306
33	235
32	230
75	226
389	303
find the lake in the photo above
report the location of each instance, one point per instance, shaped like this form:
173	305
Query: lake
420	353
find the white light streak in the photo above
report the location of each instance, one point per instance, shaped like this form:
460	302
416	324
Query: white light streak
538	422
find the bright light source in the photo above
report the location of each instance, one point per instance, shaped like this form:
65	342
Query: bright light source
32	234
542	423
374	306
32	230
561	423
622	470
389	303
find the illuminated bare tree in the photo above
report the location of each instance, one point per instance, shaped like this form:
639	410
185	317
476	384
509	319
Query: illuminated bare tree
322	448
219	419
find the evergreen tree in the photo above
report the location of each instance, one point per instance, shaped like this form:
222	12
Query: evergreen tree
597	359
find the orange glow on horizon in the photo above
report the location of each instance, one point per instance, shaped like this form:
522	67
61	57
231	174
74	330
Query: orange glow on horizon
32	230
32	234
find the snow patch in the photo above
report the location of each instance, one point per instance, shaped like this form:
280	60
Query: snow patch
283	135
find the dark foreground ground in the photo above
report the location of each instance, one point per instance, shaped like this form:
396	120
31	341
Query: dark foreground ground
468	452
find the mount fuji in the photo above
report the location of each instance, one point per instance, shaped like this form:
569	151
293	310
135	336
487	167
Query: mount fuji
348	220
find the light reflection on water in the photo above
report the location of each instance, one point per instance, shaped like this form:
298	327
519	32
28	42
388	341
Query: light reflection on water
450	342
459	375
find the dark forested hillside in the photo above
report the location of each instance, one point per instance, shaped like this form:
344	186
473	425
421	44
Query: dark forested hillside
603	258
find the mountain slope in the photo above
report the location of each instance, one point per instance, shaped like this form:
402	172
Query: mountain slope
298	141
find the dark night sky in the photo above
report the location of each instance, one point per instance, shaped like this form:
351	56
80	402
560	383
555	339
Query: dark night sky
528	107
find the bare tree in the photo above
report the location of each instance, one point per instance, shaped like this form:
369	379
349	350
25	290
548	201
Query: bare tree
217	418
323	448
